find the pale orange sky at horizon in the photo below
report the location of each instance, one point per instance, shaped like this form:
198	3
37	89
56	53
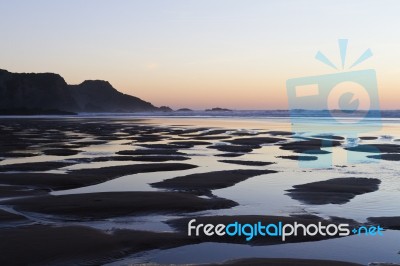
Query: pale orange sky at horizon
201	54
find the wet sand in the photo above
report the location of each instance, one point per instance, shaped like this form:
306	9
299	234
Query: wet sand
310	146
204	182
151	152
386	157
282	262
114	204
7	217
40	228
299	157
148	158
386	222
61	152
26	184
249	163
78	245
34	167
376	148
117	171
334	191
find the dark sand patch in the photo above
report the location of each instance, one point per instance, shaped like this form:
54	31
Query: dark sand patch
158	146
8	217
39	166
11	147
210	137
114	204
254	141
146	138
334	191
10	142
250	163
282	262
45	181
232	148
62	146
376	148
20	191
109	138
214	132
386	156
150	152
173	138
280	133
206	133
368	138
392	222
337	219
145	158
181	224
18	154
209	132
329	137
299	157
204	182
310	146
230	155
23	184
43	141
61	152
189	143
78	245
90	142
245	133
121	170
175	145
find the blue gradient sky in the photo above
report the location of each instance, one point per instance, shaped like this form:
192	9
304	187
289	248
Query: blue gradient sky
200	54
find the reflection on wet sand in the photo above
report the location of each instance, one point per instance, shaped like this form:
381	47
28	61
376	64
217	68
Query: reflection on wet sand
59	177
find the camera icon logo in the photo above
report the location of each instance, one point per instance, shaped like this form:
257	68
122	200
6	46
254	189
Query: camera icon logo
344	103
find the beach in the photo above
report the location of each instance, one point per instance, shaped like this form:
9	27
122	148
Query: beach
120	190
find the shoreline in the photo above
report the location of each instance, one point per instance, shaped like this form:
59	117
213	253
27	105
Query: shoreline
185	161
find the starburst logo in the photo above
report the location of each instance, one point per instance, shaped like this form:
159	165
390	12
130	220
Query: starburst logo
336	97
343	53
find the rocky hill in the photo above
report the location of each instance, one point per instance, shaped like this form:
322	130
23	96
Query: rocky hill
48	91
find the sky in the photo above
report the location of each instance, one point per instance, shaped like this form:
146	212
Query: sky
201	53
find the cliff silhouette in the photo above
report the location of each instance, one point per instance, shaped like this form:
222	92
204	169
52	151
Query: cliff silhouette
49	91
